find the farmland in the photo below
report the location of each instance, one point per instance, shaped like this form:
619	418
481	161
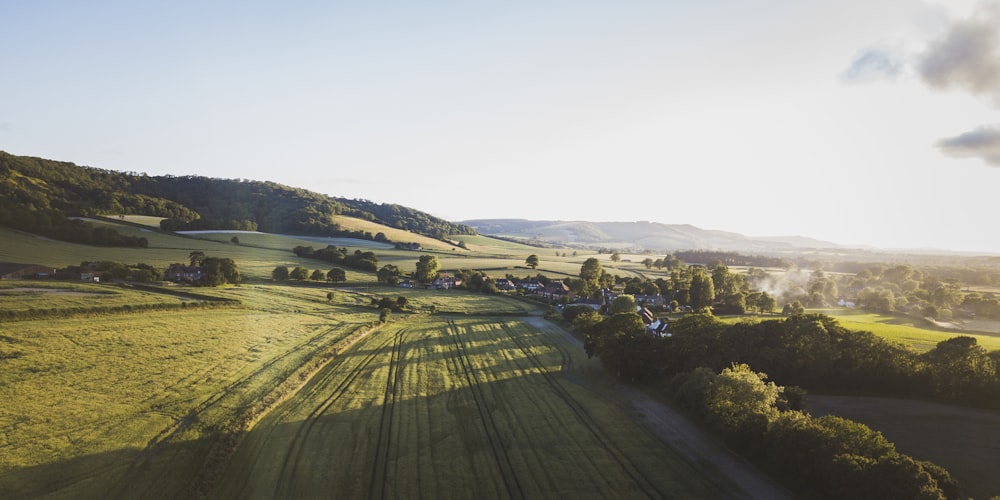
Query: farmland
155	404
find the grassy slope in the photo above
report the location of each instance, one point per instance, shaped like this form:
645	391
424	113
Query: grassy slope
914	333
94	401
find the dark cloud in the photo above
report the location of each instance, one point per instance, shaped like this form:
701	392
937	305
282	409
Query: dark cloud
967	56
982	143
874	64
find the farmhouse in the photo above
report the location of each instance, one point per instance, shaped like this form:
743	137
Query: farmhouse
14	271
180	272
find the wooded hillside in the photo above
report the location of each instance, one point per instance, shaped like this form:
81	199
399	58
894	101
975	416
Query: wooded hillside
38	195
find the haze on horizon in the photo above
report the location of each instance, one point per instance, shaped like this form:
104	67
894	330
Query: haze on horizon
872	123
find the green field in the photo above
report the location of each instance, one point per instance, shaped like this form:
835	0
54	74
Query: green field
153	404
464	408
907	331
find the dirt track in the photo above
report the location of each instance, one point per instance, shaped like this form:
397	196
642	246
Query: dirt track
739	478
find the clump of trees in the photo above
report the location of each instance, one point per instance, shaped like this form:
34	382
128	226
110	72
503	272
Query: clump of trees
366	261
823	457
118	271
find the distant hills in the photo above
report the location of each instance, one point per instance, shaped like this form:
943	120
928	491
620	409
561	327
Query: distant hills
637	235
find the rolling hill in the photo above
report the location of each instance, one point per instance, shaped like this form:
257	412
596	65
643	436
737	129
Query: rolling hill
637	235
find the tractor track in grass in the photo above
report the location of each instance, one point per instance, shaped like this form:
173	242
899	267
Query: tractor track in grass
180	424
380	466
284	487
493	435
736	477
633	472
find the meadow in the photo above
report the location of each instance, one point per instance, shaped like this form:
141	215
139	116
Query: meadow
914	333
463	408
166	403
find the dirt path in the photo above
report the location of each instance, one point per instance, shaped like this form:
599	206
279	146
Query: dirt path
738	477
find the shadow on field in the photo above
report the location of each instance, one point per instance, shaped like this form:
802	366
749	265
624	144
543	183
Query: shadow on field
127	473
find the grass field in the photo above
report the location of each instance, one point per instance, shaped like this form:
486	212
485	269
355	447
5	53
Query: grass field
150	405
89	401
907	331
462	408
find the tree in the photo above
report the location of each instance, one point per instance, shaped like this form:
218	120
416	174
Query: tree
623	303
702	289
217	271
427	268
531	261
280	273
590	273
196	257
335	275
615	257
318	275
648	262
235	240
389	274
299	273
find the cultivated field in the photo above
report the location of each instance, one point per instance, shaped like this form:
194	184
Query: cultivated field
454	403
460	408
91	404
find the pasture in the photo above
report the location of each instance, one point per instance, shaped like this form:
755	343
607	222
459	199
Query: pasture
914	333
158	404
462	408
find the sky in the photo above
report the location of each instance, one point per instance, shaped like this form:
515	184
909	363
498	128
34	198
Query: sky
862	122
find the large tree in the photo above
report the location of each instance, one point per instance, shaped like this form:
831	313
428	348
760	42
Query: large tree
335	275
280	273
531	261
427	268
590	273
702	289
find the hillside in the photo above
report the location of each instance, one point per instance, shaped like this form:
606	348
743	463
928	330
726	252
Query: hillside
38	195
637	235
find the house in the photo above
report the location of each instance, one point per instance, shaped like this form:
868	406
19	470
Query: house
595	303
646	315
530	285
444	282
504	285
555	290
179	272
659	328
651	300
90	276
14	271
845	303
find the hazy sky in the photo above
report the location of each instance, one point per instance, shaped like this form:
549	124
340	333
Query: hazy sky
862	122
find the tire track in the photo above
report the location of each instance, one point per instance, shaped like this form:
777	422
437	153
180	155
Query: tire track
157	442
493	435
284	486
640	479
380	466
